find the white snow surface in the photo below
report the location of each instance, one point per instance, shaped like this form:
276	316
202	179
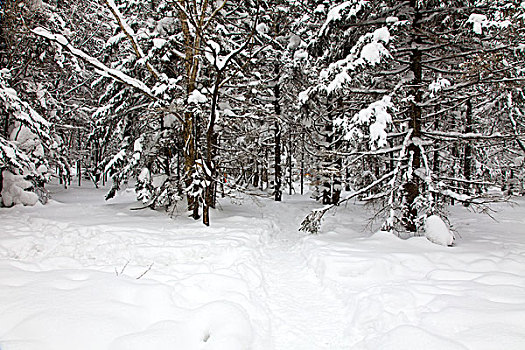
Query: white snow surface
81	273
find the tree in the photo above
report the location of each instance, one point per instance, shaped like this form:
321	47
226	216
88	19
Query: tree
32	93
421	57
176	106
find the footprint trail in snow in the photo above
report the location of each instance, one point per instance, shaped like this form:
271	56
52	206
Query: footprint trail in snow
304	315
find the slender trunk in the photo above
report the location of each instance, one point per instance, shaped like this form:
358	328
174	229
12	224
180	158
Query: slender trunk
96	160
277	160
1	183
331	183
217	171
165	148
264	170
196	155
79	173
189	161
391	156
255	180
302	163
79	161
290	177
467	166
303	147
277	137
179	168
327	179
412	187
192	40
210	155
6	124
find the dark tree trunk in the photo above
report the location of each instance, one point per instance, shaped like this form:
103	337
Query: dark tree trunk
178	173
255	180
391	157
79	161
189	160
166	149
79	173
332	182
467	159
264	170
302	162
277	160
1	184
289	161
412	187
211	140
277	137
6	124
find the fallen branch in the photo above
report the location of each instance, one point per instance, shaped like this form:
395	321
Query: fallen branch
145	272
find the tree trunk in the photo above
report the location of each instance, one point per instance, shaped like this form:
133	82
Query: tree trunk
290	177
1	183
210	155
277	137
192	41
467	157
264	170
412	187
277	164
331	181
255	180
189	161
302	163
79	173
6	124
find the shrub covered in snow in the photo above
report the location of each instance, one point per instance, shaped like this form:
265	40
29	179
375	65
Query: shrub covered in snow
16	190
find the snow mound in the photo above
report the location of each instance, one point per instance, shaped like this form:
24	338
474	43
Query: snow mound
216	326
222	325
437	231
14	190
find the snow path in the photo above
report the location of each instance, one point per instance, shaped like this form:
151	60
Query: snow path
304	314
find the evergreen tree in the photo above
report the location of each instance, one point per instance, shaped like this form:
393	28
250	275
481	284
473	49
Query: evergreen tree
416	67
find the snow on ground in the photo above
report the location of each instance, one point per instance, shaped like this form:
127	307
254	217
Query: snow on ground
416	295
81	273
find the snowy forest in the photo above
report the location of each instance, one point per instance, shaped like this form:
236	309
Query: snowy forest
405	118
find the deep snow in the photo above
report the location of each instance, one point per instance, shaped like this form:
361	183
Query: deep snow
68	279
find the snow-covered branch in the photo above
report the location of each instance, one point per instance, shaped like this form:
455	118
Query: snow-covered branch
130	34
100	67
466	136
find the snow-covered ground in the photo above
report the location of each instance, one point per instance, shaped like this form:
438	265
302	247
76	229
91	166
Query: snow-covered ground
81	273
